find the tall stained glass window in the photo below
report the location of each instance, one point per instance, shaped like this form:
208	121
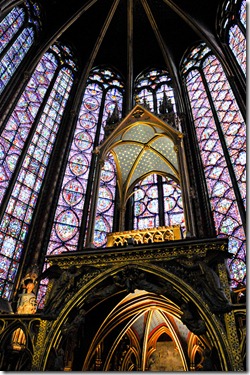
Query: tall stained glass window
26	143
221	135
152	193
104	90
233	30
17	33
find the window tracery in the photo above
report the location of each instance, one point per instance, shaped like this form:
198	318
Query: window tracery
150	87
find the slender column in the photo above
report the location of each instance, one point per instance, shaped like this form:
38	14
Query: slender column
122	210
83	80
186	190
130	70
145	341
93	207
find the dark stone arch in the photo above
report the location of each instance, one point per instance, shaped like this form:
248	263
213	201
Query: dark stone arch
114	283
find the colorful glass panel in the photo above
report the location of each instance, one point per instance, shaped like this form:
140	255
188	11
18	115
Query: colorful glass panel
220	189
17	128
72	196
146	98
105	204
150	87
146	205
80	156
168	91
16	219
10	25
231	120
16	39
113	97
232	26
14	56
243	13
68	218
173	206
237	43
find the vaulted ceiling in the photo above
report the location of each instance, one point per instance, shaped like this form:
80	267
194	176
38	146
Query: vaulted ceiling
147	32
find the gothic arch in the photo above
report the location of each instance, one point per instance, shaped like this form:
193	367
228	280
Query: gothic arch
100	289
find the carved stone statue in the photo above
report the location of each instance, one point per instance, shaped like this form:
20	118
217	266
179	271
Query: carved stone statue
213	289
129	279
70	329
27	303
65	281
70	333
132	278
59	361
197	326
210	285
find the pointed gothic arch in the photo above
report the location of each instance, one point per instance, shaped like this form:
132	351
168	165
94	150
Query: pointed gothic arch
167	293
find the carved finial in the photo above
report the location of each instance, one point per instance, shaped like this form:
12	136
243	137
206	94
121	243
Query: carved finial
137	100
145	103
163	104
170	106
114	117
138	113
112	121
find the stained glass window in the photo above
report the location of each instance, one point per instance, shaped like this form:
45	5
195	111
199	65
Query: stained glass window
237	39
103	91
150	87
243	13
154	192
23	124
221	134
233	30
68	217
17	32
91	120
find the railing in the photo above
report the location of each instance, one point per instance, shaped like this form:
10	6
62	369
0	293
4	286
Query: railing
144	236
